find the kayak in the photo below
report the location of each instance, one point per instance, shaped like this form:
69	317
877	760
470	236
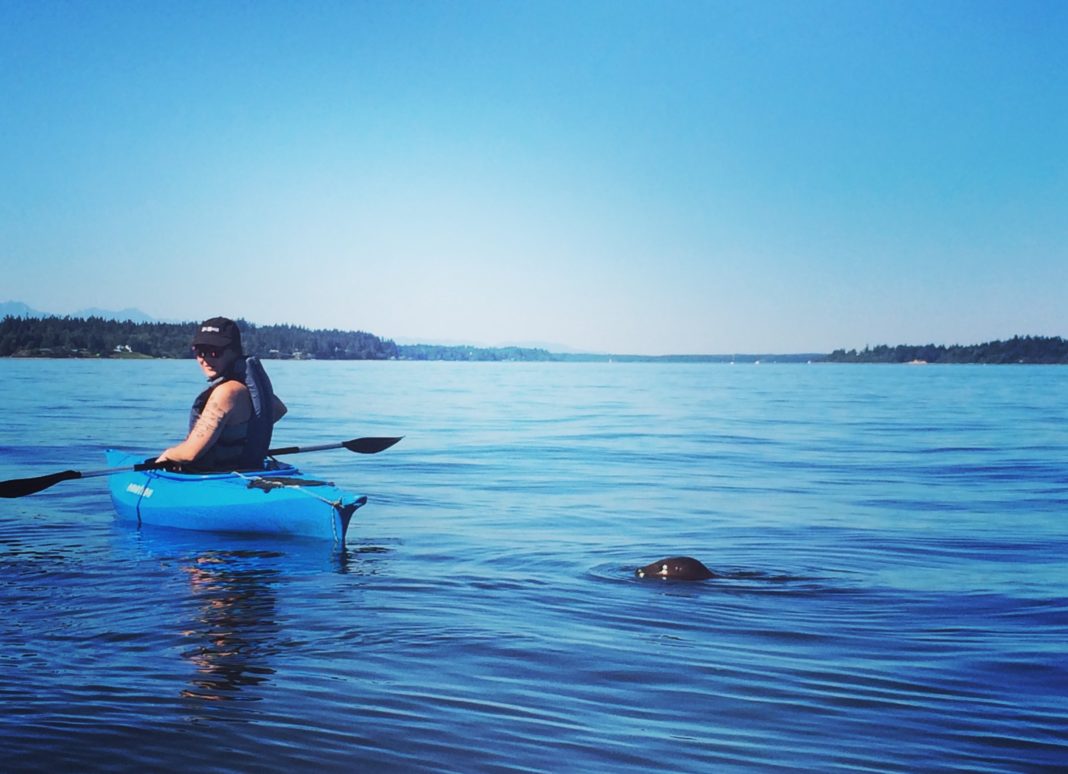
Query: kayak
278	500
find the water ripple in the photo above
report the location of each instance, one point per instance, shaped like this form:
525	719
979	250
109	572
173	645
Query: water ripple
890	547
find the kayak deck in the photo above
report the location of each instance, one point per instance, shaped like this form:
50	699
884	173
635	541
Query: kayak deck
281	500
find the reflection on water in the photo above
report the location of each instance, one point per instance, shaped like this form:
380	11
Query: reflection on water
235	633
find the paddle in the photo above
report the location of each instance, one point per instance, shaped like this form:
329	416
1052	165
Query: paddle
358	445
20	487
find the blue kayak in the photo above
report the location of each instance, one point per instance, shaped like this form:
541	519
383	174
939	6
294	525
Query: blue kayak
280	500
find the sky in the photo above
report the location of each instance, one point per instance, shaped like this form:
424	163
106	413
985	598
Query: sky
624	176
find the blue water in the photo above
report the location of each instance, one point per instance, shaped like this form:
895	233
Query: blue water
892	543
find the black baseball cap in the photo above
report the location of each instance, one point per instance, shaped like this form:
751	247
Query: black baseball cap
218	332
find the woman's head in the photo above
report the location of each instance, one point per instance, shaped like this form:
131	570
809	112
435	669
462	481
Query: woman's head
216	345
218	333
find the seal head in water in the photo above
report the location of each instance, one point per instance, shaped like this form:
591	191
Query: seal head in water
676	568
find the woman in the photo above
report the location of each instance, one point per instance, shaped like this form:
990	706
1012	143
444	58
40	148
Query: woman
231	422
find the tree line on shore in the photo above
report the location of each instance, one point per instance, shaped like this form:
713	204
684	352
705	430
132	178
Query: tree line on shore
98	337
1019	349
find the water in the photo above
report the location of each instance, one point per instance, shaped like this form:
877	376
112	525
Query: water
892	544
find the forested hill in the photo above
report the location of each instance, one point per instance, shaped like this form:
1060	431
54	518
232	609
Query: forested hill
98	337
1019	349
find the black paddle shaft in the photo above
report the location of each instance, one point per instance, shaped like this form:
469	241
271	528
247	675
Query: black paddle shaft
20	487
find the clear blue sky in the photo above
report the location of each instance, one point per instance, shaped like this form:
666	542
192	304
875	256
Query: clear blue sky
640	177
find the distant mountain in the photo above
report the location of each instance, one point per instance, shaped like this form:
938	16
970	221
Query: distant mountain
433	342
131	314
481	345
19	309
548	346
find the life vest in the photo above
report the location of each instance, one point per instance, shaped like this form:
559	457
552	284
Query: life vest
243	446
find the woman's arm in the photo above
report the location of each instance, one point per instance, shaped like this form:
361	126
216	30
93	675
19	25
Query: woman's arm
222	403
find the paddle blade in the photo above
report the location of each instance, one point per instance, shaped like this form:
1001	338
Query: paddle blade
369	445
20	487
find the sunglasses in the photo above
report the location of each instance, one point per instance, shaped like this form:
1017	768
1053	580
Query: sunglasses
205	352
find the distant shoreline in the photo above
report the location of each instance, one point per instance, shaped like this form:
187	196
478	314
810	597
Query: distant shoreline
98	338
623	360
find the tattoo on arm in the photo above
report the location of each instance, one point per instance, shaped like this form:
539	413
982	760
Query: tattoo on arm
209	425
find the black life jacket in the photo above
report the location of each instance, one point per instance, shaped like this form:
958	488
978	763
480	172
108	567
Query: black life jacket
240	447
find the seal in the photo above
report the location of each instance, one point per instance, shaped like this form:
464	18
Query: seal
676	568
